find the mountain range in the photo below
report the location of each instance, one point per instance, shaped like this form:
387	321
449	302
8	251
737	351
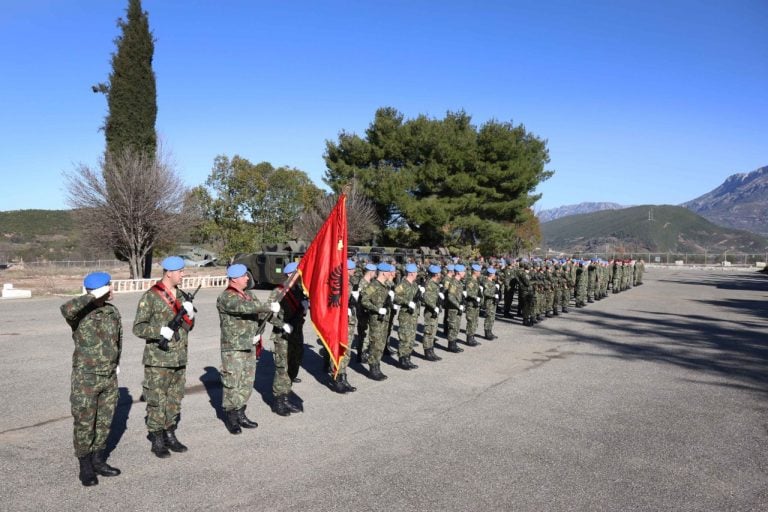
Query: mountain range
741	202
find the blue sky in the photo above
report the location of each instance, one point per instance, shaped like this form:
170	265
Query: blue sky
641	102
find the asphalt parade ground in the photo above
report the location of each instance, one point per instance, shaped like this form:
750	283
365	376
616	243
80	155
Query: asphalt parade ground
652	399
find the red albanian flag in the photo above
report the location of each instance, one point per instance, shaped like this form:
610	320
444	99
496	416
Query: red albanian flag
323	272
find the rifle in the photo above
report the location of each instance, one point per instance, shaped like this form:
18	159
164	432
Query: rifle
175	323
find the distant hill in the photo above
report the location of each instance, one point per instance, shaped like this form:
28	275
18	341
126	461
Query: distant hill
673	229
36	234
741	202
575	209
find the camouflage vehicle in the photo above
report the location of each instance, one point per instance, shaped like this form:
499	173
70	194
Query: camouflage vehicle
265	268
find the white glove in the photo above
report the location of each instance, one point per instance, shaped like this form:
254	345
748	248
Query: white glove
461	307
166	332
305	305
396	307
441	295
382	311
256	339
356	294
412	305
497	286
287	328
391	294
189	308
464	293
274	307
481	289
496	296
117	371
437	310
422	289
349	311
101	291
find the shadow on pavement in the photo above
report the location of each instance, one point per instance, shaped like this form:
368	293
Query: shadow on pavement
119	420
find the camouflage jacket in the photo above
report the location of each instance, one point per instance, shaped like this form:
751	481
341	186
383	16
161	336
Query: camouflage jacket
490	288
240	314
373	297
97	333
152	314
431	298
474	297
291	309
405	292
453	295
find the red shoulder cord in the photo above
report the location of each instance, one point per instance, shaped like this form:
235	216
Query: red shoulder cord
170	299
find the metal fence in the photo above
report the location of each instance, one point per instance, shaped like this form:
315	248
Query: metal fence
187	283
672	258
95	264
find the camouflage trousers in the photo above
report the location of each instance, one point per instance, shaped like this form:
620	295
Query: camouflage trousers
430	329
527	304
406	333
163	389
281	384
377	332
490	314
238	371
93	400
473	313
452	324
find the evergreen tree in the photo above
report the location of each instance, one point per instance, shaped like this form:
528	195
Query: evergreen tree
131	91
444	180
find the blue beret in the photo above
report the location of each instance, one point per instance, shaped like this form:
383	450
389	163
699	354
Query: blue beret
434	269
459	268
351	265
370	266
290	268
476	267
491	270
96	280
236	270
449	267
411	268
385	267
172	263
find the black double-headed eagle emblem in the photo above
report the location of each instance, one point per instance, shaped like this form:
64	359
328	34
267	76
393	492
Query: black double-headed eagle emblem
335	284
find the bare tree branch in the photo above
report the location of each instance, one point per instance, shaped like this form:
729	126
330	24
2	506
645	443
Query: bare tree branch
132	203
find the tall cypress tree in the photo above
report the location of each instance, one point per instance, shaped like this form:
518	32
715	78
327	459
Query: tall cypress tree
131	91
130	124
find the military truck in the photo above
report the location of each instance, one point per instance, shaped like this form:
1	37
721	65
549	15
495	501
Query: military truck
265	268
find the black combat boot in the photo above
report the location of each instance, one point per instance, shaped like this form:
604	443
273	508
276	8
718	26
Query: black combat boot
349	387
489	335
375	372
101	467
292	406
231	422
429	355
471	341
454	347
158	444
244	421
590	300
281	406
173	444
404	363
337	384
87	475
410	364
565	309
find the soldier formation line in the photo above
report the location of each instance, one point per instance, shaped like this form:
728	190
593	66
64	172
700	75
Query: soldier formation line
531	290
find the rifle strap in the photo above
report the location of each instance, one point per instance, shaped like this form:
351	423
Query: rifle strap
170	299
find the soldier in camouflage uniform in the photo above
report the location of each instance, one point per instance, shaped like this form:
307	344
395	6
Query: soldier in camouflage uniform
582	274
288	342
98	336
473	300
165	366
525	295
454	304
432	305
374	300
240	314
407	302
491	298
591	281
363	318
339	383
